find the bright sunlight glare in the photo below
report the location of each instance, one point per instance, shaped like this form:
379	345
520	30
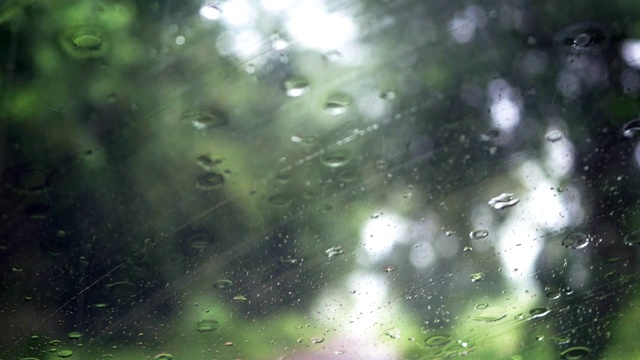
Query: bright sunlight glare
312	26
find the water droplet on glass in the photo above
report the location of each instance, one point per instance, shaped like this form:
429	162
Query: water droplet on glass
84	43
553	295
209	181
336	158
393	333
389	268
27	179
478	234
55	342
207	325
490	135
388	95
200	241
295	87
539	312
337	104
631	128
477	277
279	199
613	276
334	251
381	164
222	284
239	298
633	238
575	353
490	317
206	162
203	119
163	356
481	306
317	339
304	140
554	135
65	353
562	339
467	248
581	38
74	335
437	340
503	201
228	343
288	259
576	240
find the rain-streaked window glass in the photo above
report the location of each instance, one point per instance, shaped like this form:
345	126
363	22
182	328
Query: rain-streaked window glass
321	179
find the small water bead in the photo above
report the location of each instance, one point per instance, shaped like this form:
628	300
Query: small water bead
203	119
632	238
84	42
163	356
28	178
317	339
309	140
437	340
336	158
207	325
553	295
334	251
296	86
581	38
503	201
481	306
206	162
554	136
288	259
337	104
631	128
74	335
279	199
479	276
388	95
200	241
562	339
239	298
65	353
209	181
490	316
613	276
576	240
575	353
539	312
349	175
478	234
490	135
393	333
381	164
223	284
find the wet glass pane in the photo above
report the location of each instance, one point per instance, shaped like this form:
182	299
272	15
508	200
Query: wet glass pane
279	179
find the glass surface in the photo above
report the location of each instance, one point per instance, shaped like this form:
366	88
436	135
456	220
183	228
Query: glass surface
321	179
